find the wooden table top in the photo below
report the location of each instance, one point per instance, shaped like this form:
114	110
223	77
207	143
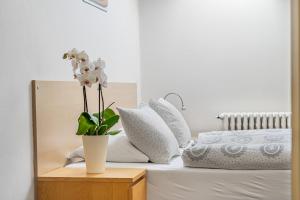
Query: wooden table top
79	174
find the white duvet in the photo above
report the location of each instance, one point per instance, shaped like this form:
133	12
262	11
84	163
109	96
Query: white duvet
251	149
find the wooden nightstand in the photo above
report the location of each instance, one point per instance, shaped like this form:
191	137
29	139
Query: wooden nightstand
76	184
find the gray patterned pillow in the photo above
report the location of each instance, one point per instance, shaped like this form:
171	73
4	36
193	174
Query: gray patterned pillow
173	119
148	132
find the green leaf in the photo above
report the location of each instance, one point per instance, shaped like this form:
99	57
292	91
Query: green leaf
92	130
86	124
95	120
115	132
108	113
111	121
102	130
96	115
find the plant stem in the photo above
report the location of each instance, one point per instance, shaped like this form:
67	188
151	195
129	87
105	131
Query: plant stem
102	98
110	105
86	109
99	104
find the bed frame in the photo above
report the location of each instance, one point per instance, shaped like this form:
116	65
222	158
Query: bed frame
56	106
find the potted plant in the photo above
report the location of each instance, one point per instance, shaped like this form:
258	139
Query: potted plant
95	128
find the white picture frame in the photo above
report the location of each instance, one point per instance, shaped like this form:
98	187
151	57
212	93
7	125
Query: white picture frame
100	4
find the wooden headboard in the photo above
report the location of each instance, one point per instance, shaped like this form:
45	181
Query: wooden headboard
56	106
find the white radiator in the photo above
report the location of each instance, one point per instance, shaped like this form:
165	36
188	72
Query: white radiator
261	120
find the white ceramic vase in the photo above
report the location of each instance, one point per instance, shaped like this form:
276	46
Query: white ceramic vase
95	150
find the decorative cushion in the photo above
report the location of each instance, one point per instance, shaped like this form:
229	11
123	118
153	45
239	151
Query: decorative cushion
147	131
174	119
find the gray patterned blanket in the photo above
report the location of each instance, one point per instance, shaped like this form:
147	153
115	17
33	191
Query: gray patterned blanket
251	149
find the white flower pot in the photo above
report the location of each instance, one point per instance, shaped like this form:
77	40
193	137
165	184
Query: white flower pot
95	150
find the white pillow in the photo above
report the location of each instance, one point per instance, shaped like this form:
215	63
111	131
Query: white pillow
174	119
119	150
147	131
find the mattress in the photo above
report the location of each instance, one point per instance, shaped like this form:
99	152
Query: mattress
175	182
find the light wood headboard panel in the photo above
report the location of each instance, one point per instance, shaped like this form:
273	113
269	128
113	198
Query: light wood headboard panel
56	107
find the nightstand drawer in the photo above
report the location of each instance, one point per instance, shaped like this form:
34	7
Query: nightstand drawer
139	190
75	184
75	190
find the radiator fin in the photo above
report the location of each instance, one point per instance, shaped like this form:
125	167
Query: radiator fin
249	121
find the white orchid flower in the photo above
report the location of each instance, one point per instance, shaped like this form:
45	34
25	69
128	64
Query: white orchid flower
101	76
88	73
85	68
87	79
83	58
72	54
99	64
74	64
99	71
103	79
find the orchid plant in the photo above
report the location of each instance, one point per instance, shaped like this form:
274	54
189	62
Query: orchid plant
89	73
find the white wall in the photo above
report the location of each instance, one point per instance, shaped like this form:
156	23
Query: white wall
34	35
199	48
221	55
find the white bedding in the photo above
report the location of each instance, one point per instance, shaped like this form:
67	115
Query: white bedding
175	182
245	149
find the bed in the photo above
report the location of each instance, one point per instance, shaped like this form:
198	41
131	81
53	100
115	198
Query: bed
54	138
175	182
